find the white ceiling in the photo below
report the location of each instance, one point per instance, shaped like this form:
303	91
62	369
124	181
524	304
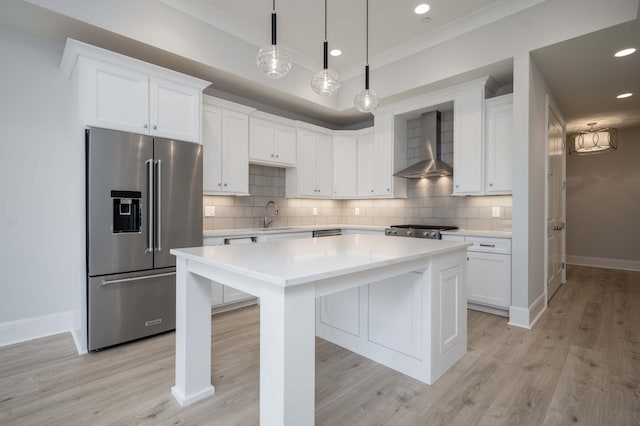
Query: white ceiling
582	73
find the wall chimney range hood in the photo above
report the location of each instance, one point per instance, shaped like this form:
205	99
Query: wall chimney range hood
430	166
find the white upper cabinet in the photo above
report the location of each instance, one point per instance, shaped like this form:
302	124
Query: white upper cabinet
498	142
225	138
271	143
122	93
174	110
313	175
367	166
468	153
345	157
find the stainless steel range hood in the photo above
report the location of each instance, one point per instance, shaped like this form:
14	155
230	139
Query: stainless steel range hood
430	166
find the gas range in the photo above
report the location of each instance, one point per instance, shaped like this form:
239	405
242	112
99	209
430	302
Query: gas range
418	231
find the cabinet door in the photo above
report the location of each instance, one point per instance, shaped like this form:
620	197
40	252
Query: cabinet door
324	165
211	149
174	110
235	152
498	142
467	142
383	160
285	145
261	140
307	163
344	166
367	166
489	279
117	98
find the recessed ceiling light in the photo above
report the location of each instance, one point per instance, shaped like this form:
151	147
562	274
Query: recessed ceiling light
625	52
624	95
336	52
421	9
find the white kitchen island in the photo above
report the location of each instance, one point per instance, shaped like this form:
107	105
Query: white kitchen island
288	276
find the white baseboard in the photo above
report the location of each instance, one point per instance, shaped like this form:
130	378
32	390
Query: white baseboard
602	262
32	328
527	317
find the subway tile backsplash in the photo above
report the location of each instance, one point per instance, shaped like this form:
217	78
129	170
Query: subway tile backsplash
429	200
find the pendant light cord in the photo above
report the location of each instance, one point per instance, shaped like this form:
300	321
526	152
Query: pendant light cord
273	24
366	68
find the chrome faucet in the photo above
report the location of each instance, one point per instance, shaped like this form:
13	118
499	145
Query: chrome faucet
267	220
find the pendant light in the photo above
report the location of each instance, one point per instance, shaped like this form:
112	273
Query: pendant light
326	81
271	60
593	141
366	100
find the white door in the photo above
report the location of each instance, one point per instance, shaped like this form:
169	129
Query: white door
261	140
366	165
345	152
174	110
211	149
285	145
555	204
324	165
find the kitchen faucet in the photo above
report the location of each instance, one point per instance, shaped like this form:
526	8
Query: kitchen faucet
267	220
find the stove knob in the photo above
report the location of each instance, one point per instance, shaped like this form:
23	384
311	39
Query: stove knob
433	235
425	234
409	233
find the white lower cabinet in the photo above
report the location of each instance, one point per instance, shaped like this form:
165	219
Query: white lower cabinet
488	273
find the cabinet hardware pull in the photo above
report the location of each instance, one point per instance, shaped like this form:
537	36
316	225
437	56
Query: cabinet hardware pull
145	125
487	245
155	126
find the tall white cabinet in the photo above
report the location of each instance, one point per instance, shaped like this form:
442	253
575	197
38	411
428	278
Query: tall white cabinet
498	139
225	139
313	175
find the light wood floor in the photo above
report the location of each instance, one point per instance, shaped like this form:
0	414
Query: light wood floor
579	365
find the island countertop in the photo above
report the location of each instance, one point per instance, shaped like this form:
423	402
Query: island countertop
287	263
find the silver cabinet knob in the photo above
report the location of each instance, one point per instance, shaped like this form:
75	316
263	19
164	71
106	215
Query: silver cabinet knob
219	183
490	184
146	126
225	184
155	126
277	156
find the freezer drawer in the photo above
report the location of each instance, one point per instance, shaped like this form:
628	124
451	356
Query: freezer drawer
126	307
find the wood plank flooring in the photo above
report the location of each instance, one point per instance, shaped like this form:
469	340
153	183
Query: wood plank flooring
579	365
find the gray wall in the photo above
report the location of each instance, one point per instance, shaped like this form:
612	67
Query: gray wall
36	250
603	201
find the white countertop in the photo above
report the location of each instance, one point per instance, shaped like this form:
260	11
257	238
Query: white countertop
284	229
292	262
478	233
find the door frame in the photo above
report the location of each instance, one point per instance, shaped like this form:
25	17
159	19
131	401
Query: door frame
551	108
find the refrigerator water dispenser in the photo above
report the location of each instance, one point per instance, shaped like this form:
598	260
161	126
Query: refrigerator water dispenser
127	215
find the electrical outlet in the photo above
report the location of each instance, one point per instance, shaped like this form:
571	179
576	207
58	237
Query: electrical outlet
495	211
209	211
357	211
315	211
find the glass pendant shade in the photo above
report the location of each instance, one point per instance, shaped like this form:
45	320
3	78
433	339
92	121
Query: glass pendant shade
366	100
273	61
325	82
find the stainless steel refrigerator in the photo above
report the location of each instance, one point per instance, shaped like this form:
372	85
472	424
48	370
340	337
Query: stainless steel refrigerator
144	197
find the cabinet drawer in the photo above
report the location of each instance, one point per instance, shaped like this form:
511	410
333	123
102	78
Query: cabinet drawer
490	245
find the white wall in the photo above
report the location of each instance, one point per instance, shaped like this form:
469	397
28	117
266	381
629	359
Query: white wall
603	205
34	244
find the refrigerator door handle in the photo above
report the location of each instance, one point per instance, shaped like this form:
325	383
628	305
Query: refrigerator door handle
144	277
158	205
150	203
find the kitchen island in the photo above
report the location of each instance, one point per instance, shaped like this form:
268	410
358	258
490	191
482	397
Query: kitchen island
288	276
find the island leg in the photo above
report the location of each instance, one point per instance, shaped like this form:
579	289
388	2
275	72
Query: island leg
287	356
193	336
